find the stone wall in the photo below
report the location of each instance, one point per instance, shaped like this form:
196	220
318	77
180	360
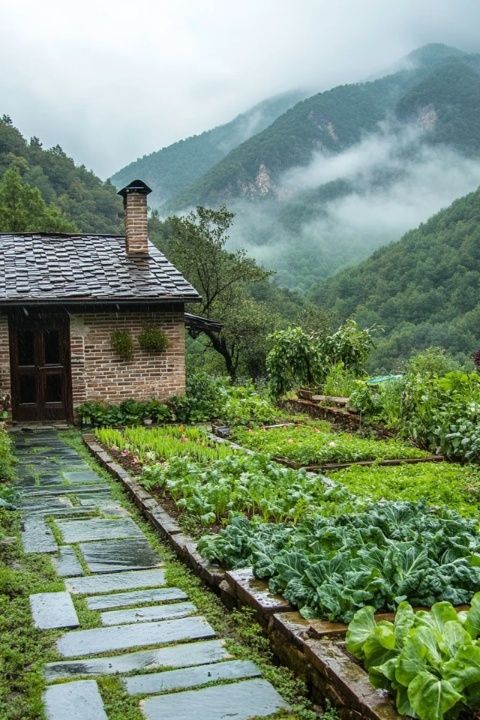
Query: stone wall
99	374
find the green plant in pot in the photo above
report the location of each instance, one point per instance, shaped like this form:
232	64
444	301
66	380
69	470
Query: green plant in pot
122	344
153	339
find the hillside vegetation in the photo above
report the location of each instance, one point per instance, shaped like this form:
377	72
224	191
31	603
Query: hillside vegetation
173	168
422	290
89	204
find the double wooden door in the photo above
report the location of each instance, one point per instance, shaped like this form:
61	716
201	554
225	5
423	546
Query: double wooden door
40	367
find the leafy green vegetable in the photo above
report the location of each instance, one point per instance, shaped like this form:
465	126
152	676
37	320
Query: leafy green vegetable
434	658
331	567
316	443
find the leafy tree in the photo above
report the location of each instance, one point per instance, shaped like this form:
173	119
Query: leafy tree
22	208
197	247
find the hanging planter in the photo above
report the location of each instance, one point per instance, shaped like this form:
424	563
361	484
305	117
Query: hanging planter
122	344
153	340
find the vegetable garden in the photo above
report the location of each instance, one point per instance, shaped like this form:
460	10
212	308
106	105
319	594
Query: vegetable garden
355	543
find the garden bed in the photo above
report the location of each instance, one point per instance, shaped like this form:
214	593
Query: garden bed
328	669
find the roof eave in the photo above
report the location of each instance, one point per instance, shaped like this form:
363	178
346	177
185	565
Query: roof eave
180	299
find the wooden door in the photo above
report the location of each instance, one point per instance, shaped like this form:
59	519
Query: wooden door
40	367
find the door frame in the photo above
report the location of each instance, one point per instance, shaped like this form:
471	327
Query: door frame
41	319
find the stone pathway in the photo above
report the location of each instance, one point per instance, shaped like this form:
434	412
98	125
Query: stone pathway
165	653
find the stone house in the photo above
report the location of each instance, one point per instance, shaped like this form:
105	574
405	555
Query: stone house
62	297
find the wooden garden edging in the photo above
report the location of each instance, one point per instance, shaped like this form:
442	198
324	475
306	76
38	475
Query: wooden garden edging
313	649
356	463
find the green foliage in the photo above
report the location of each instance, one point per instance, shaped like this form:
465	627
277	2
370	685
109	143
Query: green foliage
456	486
6	456
164	443
69	197
331	567
380	403
122	344
430	660
22	208
243	483
432	362
129	412
299	358
317	444
295	359
422	290
153	339
339	382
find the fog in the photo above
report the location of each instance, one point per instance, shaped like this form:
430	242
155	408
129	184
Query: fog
394	180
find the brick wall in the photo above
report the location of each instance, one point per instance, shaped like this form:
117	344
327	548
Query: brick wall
99	374
4	355
136	223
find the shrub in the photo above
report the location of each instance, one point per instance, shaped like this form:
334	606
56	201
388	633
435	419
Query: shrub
122	344
6	456
432	362
153	339
339	382
129	412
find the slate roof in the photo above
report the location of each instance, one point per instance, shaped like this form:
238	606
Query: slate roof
41	268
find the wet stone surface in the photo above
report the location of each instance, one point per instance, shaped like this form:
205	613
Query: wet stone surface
78	643
136	597
53	610
98	529
117	555
183	655
190	677
74	701
109	582
239	701
82	476
67	563
146	614
37	537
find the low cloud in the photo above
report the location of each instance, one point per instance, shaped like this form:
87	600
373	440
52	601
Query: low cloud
393	181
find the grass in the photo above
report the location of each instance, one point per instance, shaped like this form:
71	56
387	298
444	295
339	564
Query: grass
318	444
457	486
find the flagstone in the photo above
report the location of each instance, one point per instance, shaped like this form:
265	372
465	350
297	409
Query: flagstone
67	563
136	597
146	614
118	555
108	582
53	610
187	654
152	683
74	701
82	476
78	643
239	701
98	529
37	537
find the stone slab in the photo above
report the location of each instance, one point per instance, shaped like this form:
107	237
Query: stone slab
53	610
78	643
183	655
74	701
117	555
152	683
98	529
37	536
136	597
82	476
109	582
255	592
239	701
67	563
146	614
37	491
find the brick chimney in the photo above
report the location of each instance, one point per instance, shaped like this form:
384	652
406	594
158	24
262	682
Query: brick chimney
136	225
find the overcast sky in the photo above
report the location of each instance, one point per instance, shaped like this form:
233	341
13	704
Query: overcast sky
112	80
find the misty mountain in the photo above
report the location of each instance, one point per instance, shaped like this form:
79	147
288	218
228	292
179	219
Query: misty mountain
172	169
422	290
348	170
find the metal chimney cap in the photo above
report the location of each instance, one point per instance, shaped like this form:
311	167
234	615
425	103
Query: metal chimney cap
136	186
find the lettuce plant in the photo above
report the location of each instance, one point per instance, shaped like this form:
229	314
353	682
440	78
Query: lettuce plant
430	660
